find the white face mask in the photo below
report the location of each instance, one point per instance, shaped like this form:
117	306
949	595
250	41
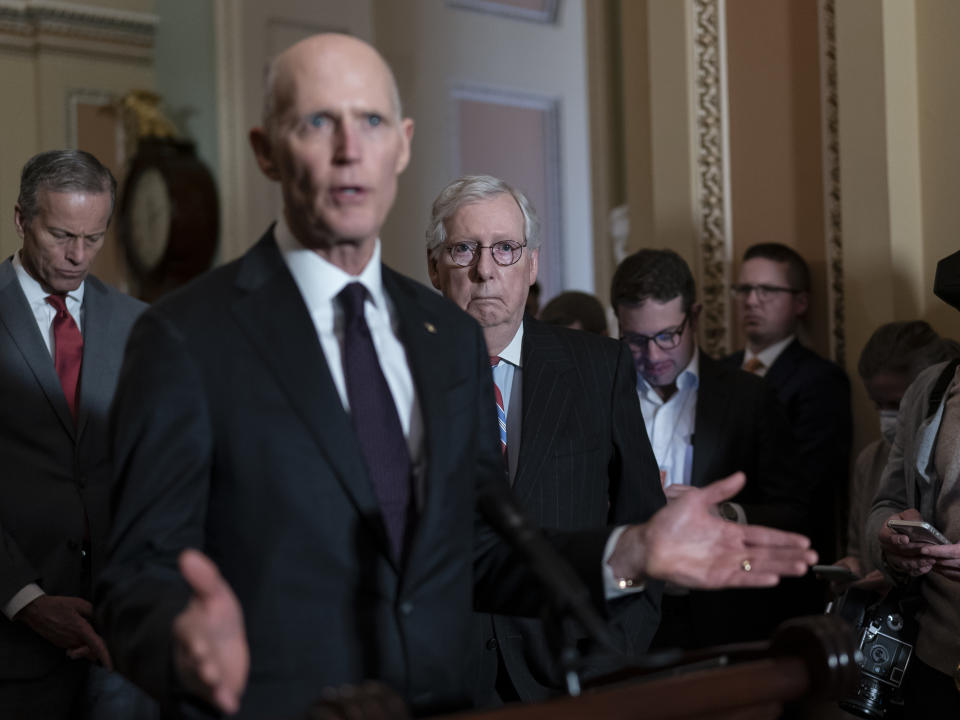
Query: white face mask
888	424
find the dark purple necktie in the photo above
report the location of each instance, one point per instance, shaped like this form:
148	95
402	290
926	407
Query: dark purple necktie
375	418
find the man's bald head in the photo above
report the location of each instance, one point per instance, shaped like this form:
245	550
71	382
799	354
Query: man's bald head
334	139
279	86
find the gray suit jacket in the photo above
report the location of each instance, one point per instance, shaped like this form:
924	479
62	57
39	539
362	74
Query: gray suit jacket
910	480
55	472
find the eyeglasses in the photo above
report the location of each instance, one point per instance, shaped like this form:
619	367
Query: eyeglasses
665	339
764	292
504	252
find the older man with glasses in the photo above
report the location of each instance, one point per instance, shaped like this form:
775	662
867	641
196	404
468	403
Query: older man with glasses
705	420
577	455
773	292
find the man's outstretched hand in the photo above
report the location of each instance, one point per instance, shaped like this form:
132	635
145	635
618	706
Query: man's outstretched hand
686	543
210	643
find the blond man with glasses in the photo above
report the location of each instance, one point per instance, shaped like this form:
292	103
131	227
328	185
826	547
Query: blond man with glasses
772	293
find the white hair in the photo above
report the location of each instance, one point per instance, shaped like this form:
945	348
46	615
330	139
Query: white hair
474	188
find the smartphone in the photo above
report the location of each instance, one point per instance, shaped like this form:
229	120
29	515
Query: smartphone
918	531
832	573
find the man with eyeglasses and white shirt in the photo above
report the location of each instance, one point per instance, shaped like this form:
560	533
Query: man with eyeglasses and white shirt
772	295
704	420
575	448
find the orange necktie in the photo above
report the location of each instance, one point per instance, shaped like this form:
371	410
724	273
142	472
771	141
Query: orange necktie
754	365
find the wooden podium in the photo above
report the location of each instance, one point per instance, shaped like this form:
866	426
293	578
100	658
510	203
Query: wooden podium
808	657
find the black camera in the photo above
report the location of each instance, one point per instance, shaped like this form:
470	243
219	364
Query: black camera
887	630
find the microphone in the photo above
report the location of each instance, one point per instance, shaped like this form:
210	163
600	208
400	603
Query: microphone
501	511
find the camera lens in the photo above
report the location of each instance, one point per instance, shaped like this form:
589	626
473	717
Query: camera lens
879	654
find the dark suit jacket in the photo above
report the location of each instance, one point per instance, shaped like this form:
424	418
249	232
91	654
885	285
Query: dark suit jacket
584	461
739	426
55	472
815	395
230	437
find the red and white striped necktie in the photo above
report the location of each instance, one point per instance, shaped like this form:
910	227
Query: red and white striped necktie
501	413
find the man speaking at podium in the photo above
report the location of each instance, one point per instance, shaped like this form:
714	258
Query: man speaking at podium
319	429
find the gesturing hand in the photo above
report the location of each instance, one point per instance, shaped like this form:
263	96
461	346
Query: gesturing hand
946	559
687	544
901	554
65	622
210	642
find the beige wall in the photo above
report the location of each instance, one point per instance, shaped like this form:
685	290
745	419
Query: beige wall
899	95
938	60
776	168
640	121
19	138
38	77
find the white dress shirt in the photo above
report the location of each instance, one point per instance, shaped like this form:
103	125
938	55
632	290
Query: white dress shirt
43	313
505	370
319	283
768	356
670	423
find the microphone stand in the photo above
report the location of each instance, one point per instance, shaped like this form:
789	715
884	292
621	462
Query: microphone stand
570	604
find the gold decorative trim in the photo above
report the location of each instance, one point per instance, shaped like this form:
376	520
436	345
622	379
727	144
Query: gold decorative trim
77	28
712	173
831	179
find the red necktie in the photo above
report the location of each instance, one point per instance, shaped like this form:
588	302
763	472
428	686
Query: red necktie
501	414
68	351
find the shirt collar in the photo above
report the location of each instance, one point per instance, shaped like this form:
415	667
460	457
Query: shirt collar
689	377
768	356
36	295
512	352
319	280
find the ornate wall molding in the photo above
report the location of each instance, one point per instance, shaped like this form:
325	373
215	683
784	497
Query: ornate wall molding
833	232
86	29
711	148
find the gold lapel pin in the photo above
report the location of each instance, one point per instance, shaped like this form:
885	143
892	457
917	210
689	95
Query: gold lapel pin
431	328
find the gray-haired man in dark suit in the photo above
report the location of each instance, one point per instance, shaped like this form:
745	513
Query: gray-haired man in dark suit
62	334
576	448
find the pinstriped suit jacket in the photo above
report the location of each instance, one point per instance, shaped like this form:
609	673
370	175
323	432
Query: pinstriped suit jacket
584	461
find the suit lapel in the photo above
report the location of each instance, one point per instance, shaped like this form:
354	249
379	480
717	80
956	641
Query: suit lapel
98	364
291	350
546	396
18	318
712	403
785	364
423	338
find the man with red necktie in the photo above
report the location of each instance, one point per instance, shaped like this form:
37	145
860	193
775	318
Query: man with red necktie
62	334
